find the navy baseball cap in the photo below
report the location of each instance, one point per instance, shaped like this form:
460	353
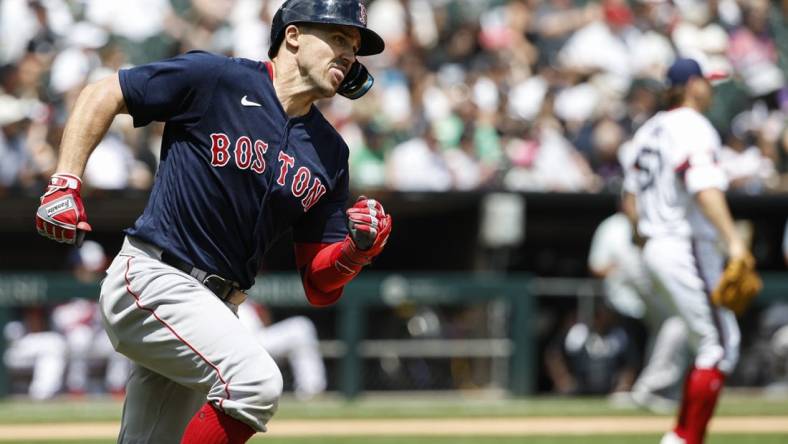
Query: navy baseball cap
682	70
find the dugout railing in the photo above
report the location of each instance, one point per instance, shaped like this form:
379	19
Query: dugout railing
514	295
515	347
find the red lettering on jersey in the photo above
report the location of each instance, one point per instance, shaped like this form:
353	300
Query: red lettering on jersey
314	194
300	181
243	152
220	144
260	148
287	162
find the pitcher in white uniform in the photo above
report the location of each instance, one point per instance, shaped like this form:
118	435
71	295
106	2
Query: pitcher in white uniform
678	190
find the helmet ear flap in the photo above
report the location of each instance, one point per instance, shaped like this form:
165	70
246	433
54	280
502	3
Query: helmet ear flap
357	82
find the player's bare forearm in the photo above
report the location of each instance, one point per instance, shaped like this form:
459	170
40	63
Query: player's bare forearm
714	206
630	209
96	107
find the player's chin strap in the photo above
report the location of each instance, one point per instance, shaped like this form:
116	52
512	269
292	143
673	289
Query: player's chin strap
357	82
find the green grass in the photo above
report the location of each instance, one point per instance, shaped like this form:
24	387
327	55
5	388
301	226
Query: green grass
421	406
734	404
23	411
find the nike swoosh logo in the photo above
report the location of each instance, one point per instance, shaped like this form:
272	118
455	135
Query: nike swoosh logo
247	102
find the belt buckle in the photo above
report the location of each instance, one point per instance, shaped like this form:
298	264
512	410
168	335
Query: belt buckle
220	286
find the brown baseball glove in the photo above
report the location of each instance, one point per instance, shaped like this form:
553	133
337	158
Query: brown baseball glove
738	285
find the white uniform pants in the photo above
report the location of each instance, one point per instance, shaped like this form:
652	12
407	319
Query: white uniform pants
684	272
188	347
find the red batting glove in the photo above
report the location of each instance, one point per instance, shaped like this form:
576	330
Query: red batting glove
369	227
61	216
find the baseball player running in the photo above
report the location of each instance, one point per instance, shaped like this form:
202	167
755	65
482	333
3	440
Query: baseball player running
678	188
245	156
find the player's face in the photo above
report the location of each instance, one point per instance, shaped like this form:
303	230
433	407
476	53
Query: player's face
326	54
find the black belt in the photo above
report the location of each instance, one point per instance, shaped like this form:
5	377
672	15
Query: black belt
221	287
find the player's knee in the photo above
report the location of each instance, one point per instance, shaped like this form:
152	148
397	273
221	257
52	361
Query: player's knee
252	398
265	401
266	389
270	388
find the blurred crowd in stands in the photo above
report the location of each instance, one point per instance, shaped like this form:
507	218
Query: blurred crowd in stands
525	95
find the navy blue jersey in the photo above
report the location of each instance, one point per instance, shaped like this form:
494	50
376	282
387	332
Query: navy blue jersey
235	171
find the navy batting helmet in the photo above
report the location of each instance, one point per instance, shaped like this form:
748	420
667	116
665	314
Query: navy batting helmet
335	12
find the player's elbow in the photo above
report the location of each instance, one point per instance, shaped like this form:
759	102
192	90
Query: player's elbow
107	93
712	195
321	298
321	292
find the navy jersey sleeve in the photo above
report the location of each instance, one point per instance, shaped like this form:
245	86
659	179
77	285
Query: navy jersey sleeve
326	221
173	90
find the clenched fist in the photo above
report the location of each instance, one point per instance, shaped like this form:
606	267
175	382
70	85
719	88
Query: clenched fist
61	216
369	228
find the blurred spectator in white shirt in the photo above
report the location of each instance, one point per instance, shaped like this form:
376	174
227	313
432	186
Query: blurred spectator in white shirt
552	165
600	47
650	49
748	169
113	165
418	165
12	141
72	67
137	20
698	36
556	20
251	31
26	157
22	20
753	50
463	162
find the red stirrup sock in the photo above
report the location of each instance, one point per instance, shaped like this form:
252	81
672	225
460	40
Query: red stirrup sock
210	426
701	391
